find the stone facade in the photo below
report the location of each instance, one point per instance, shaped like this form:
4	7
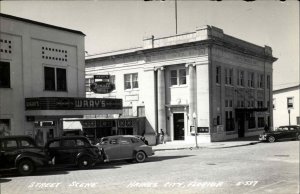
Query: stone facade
191	80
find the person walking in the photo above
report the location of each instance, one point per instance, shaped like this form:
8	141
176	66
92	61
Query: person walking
162	136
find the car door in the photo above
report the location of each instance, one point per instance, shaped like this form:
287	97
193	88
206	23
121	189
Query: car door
126	148
9	153
292	132
281	133
111	147
68	151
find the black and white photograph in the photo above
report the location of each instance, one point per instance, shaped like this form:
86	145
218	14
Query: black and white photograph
149	96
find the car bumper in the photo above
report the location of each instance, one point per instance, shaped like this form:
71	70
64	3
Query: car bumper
262	138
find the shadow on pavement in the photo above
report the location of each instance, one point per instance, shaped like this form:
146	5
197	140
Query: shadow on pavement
4	180
250	138
161	158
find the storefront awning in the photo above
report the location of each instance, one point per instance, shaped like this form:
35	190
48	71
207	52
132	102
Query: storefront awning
72	125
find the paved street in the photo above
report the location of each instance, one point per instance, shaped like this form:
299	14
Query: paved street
258	168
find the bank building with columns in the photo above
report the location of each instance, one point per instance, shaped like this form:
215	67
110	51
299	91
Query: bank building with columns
204	80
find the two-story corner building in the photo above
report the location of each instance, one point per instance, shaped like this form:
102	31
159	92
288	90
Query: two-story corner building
42	71
208	79
286	106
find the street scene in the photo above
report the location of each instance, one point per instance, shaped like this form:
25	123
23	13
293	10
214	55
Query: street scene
226	167
149	96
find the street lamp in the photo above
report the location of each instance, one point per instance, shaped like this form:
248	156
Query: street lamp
194	117
289	111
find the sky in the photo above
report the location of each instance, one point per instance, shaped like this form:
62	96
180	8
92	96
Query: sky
115	25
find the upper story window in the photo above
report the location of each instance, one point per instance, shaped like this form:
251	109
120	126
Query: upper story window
131	81
260	81
268	81
127	111
228	76
88	82
218	74
178	77
4	74
290	102
240	78
55	79
251	80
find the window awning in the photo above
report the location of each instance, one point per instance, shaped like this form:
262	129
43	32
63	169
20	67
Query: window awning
72	125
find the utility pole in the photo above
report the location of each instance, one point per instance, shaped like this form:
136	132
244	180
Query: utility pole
176	15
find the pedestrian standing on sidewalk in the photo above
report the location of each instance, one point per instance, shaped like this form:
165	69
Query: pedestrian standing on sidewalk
162	136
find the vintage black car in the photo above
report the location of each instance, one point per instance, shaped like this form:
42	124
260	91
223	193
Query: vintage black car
21	153
73	150
281	133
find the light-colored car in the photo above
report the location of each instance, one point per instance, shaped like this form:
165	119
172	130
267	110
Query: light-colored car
125	147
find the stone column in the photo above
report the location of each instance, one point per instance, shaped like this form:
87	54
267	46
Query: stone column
161	100
192	93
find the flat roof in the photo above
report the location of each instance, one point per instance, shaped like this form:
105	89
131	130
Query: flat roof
40	24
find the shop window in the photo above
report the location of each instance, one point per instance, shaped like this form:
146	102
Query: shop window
218	75
4	74
229	126
260	122
4	127
131	81
290	102
55	79
251	121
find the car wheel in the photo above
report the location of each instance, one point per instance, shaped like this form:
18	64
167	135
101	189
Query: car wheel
26	167
298	137
140	156
271	139
84	162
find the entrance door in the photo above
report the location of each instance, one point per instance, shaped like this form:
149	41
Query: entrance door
178	123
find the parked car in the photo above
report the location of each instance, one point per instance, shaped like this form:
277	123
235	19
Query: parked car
126	147
281	133
73	150
21	153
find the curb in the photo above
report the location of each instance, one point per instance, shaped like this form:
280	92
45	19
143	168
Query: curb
207	147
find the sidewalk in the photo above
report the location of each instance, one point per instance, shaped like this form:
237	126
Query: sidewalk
180	145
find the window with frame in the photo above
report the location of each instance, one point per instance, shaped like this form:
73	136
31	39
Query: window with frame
260	81
4	127
127	111
229	125
4	74
88	82
140	111
260	122
268	81
218	75
131	81
228	76
251	80
178	77
55	79
240	78
290	102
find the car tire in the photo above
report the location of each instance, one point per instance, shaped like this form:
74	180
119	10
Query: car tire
26	167
298	136
271	139
140	156
84	162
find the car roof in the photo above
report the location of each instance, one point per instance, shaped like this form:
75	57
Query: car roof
68	137
290	126
118	136
16	137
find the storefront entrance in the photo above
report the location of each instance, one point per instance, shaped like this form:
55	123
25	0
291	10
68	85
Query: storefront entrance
178	123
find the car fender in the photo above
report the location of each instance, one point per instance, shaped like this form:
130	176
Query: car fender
35	158
81	154
136	150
